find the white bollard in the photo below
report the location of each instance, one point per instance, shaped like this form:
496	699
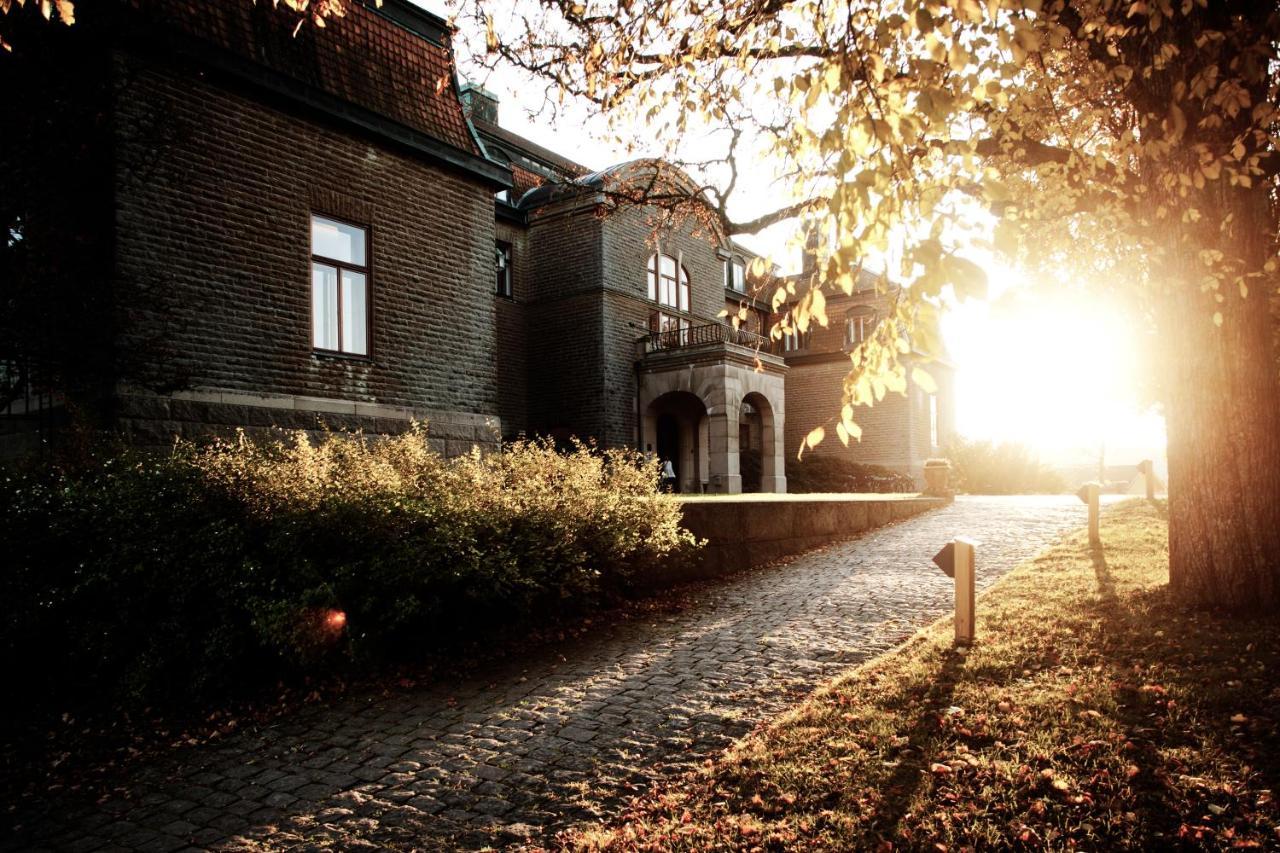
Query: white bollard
957	560
1147	469
1089	494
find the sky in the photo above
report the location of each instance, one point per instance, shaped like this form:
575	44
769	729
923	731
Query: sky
1054	372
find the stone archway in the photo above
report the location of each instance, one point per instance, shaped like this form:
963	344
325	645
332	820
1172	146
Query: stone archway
760	445
675	429
719	379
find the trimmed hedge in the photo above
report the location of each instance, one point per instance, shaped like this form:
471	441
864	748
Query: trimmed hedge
172	581
986	468
817	473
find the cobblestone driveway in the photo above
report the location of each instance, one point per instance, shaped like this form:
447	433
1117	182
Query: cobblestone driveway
535	745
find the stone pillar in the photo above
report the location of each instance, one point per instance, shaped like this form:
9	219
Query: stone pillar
773	473
722	461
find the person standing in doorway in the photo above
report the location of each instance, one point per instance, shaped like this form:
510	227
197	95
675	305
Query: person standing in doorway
668	476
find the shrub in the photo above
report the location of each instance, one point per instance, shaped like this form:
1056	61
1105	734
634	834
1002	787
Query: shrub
174	580
820	473
984	468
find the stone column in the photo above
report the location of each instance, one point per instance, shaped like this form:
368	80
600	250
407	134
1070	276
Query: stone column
773	473
725	476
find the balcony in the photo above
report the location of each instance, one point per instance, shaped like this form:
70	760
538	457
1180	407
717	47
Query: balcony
701	336
711	342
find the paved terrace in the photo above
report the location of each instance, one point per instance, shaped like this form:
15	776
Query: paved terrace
531	746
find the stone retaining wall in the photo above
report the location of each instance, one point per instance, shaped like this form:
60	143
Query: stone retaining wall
753	530
154	420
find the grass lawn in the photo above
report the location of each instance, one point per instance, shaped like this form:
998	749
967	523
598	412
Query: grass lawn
1092	713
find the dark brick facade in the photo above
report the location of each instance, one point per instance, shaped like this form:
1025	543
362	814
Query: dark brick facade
224	217
227	134
217	175
897	432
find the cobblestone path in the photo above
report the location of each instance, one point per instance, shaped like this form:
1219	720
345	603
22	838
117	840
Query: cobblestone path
534	745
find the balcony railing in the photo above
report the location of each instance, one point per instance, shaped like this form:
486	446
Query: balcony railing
711	333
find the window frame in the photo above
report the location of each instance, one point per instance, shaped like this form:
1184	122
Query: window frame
731	269
678	325
654	283
507	291
935	432
795	341
340	266
863	321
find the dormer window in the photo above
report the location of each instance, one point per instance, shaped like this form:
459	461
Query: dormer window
735	275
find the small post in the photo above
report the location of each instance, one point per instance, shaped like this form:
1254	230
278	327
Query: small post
1146	468
956	559
1089	494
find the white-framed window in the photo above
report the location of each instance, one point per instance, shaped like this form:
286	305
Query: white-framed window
735	275
795	340
933	420
339	286
668	282
502	268
858	326
673	330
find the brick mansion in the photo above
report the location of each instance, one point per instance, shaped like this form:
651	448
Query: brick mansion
331	227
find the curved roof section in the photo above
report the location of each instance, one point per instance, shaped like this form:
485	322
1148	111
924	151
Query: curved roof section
615	177
555	191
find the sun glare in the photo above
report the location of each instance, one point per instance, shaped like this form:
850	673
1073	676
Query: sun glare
1058	372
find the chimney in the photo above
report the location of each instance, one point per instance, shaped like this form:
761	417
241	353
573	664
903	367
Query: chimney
479	104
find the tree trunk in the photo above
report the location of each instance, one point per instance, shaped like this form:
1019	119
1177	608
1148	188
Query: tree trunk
1223	420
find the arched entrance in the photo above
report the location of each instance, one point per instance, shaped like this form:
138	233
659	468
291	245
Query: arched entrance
675	429
758	445
750	446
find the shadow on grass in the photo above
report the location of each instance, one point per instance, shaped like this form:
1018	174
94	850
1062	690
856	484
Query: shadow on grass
1180	676
912	772
1106	583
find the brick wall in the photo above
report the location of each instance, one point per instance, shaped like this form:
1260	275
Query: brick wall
814	390
221	214
512	344
895	431
628	242
563	322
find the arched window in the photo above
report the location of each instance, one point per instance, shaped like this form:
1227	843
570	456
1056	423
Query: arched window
668	282
858	325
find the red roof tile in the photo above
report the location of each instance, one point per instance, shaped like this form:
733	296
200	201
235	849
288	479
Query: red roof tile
523	180
364	58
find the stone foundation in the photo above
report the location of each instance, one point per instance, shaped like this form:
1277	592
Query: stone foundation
152	420
751	531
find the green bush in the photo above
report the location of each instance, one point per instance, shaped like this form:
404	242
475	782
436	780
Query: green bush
984	468
820	473
178	580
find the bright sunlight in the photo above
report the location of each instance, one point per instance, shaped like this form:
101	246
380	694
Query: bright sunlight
1058	371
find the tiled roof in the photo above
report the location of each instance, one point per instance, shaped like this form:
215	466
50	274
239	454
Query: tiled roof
523	180
365	58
